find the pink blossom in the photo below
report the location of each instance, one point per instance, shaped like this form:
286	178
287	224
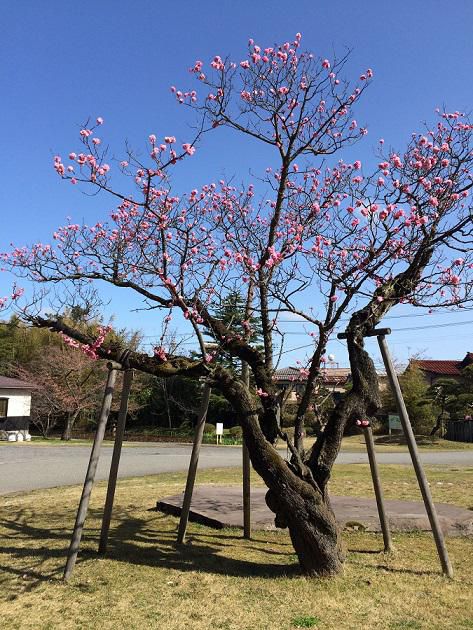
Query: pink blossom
17	292
169	139
160	352
99	120
189	149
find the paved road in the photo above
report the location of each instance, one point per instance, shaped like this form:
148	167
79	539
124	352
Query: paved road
27	467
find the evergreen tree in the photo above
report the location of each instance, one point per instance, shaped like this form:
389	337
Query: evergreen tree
231	311
414	390
453	398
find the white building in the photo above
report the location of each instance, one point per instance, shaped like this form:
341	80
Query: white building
15	406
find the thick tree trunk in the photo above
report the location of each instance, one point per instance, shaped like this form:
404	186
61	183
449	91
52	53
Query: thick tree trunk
293	496
314	532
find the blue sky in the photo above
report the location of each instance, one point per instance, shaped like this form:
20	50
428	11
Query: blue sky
63	62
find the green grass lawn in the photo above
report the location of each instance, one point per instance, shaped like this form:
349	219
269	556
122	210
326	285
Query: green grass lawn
218	580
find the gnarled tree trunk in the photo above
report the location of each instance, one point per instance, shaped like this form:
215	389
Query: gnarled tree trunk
295	498
312	526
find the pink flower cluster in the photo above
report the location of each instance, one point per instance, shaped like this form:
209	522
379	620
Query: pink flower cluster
160	352
90	350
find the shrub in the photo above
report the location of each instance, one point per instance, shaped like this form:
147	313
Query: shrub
236	432
209	429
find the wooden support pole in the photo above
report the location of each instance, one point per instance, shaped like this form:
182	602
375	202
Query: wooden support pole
117	449
198	435
246	464
246	492
411	443
91	471
378	491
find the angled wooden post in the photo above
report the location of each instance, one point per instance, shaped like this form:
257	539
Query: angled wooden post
378	491
117	449
198	435
246	491
246	464
411	443
91	471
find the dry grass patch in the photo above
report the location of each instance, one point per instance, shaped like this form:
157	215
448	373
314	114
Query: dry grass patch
447	484
392	444
217	580
397	444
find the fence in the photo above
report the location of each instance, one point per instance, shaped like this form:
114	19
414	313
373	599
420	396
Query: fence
15	423
460	430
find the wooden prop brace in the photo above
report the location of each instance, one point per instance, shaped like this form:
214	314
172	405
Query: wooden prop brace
381	333
82	510
199	434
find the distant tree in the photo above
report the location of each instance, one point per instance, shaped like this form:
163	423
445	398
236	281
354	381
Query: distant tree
171	402
175	401
452	398
234	314
68	385
442	395
415	392
20	344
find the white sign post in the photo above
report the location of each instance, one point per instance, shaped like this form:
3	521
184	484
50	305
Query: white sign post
219	432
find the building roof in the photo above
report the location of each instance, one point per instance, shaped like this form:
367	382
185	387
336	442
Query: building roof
14	383
331	376
446	367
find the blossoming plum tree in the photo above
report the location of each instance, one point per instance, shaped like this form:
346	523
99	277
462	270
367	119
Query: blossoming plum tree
313	229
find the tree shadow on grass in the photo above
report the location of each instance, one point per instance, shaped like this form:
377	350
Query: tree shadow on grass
374	552
203	551
34	553
419	572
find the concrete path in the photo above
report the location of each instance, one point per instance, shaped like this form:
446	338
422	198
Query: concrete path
221	506
25	467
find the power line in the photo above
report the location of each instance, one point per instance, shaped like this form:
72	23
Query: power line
456	312
445	325
303	321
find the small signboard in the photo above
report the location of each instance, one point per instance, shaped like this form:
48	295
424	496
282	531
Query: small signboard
219	431
394	423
